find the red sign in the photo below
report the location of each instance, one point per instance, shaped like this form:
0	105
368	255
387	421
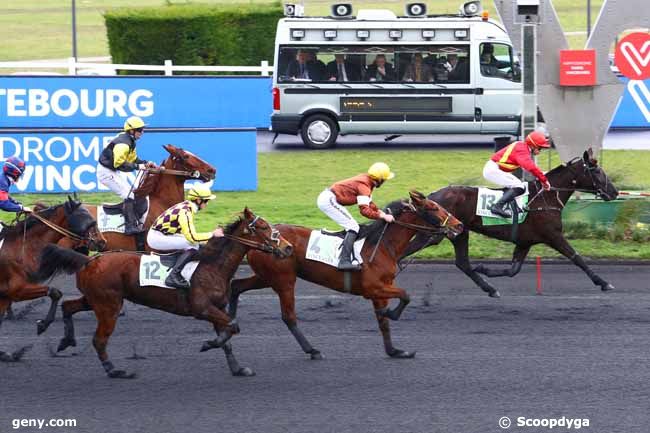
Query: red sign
633	56
577	67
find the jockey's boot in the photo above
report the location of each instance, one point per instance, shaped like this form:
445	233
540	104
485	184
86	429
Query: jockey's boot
345	261
131	222
501	207
175	279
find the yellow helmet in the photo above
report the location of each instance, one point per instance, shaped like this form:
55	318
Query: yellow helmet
200	191
380	171
134	122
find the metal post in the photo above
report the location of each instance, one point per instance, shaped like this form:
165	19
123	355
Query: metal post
588	18
529	80
74	29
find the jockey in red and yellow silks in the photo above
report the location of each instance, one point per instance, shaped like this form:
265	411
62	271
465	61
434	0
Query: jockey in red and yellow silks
498	169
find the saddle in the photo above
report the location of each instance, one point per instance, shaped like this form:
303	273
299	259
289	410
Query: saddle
141	206
168	259
363	232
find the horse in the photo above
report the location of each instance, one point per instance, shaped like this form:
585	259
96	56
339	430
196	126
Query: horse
375	281
164	188
22	243
543	225
107	279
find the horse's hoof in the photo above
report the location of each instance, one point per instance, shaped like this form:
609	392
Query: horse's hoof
495	294
65	343
244	372
206	346
479	269
402	354
316	355
41	327
120	374
607	287
16	356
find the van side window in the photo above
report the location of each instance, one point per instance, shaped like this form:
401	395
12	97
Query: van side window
497	61
363	64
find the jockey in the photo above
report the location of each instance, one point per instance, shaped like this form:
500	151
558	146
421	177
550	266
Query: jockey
120	157
174	230
14	167
498	169
355	190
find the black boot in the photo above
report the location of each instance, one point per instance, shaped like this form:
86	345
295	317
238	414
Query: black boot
131	221
345	262
499	208
175	279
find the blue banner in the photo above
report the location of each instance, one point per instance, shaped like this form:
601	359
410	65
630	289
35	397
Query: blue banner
634	108
67	162
163	102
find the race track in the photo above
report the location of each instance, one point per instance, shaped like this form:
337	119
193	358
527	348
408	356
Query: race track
573	351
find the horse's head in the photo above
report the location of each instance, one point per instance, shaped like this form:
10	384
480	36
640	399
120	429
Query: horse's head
256	229
435	215
591	177
183	160
80	222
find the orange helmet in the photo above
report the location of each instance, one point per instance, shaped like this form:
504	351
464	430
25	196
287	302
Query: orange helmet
537	139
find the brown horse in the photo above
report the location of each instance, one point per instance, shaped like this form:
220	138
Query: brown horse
22	243
543	225
163	189
107	279
374	281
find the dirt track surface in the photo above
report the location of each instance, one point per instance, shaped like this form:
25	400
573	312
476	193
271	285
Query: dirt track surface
574	352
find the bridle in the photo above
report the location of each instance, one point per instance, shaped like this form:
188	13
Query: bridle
440	227
265	246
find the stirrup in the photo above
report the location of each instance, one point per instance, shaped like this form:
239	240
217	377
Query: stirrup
501	211
177	281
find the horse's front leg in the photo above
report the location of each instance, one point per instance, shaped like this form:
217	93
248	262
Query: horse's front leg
461	247
384	326
563	247
518	256
202	308
55	296
391	292
234	366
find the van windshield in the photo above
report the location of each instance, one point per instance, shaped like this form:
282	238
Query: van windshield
364	64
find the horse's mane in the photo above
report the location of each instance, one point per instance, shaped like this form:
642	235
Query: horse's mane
22	226
217	248
372	231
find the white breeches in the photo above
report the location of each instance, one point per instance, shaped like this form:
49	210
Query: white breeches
162	242
327	203
494	174
115	181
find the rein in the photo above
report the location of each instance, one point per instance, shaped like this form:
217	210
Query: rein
60	230
250	243
193	174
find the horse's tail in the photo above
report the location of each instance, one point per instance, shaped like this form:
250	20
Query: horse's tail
55	260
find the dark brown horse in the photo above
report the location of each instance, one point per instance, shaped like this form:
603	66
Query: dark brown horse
374	281
22	243
543	225
107	279
164	190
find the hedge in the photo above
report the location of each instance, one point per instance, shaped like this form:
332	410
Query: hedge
193	34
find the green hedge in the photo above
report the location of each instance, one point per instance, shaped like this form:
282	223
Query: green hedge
196	34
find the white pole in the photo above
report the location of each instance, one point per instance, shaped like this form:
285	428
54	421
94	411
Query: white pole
265	67
168	68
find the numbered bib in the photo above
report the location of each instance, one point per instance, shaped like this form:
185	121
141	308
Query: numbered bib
326	249
154	273
487	197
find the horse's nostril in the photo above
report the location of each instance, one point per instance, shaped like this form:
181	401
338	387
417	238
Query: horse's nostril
288	250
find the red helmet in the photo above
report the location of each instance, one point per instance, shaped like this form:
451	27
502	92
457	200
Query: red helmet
14	167
537	139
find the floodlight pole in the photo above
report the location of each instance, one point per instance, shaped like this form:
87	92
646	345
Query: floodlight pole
588	18
74	30
529	80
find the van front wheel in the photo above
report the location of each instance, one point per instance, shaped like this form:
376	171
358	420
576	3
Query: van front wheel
319	132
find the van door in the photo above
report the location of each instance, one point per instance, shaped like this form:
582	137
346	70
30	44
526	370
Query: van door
498	78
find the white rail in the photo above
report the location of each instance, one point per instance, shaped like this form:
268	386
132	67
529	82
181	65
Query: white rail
73	66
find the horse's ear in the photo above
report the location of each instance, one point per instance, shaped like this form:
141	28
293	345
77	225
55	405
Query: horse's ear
247	213
585	155
76	197
171	149
416	196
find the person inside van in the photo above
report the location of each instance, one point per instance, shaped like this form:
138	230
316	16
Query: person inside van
341	69
490	65
303	68
460	71
317	65
380	70
418	71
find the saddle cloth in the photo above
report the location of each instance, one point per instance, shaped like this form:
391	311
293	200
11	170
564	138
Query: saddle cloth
154	269
110	218
326	248
487	197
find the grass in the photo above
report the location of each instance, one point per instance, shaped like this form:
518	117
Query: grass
41	29
291	181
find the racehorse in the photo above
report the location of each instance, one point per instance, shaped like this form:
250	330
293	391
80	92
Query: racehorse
22	243
543	225
374	281
106	280
164	189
